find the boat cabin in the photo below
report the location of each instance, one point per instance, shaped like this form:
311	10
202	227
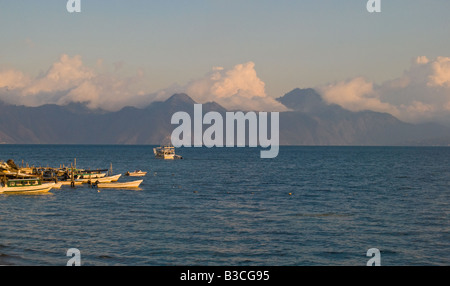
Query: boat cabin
23	183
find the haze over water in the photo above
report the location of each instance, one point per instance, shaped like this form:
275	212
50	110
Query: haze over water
226	206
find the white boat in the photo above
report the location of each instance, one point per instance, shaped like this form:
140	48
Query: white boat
108	179
91	175
125	185
166	152
136	174
26	186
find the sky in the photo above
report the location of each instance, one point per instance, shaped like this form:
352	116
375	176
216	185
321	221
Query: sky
240	53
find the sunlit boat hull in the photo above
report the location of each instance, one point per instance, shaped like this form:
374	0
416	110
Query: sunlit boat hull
125	185
44	188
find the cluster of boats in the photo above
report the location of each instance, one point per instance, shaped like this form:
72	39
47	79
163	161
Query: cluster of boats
41	180
49	180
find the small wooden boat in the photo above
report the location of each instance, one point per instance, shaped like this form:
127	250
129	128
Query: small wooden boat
28	186
90	174
108	179
124	185
136	174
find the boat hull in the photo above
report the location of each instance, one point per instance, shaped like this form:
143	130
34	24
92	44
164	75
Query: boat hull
102	180
92	176
164	152
125	185
165	157
44	188
137	174
57	186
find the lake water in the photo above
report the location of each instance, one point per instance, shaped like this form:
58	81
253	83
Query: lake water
228	207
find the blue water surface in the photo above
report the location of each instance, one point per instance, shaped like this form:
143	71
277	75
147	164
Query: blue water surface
229	207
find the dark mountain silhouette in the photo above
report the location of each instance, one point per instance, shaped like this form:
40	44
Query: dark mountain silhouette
310	122
76	124
313	122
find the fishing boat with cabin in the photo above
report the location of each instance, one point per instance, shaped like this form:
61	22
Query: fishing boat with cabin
166	152
29	186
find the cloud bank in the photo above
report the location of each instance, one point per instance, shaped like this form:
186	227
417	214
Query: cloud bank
422	93
70	80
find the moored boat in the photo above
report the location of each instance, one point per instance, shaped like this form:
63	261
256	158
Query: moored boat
136	174
26	186
124	185
166	152
91	175
108	179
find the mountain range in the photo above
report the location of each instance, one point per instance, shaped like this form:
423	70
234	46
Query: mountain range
309	121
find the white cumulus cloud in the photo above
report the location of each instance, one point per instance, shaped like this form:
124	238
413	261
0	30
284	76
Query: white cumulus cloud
238	88
70	80
12	79
65	74
421	93
356	94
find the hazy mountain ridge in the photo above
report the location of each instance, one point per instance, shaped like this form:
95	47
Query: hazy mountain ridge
324	124
310	122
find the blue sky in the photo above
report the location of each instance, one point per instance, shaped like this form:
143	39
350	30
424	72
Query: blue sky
292	43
